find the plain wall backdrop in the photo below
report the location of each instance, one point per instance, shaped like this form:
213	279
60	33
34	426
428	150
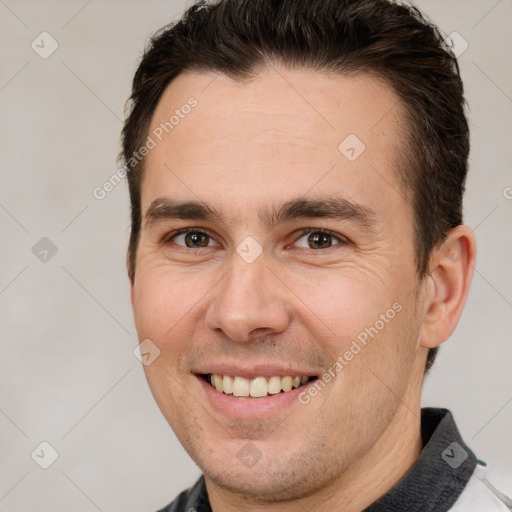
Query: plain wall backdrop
68	374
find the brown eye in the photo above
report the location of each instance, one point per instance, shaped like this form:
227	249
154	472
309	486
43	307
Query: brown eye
192	239
318	239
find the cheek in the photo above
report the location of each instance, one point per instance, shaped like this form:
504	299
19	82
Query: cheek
370	328
168	304
339	303
158	302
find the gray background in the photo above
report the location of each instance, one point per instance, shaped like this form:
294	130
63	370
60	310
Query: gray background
68	373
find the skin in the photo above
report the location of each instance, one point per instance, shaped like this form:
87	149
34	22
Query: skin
248	147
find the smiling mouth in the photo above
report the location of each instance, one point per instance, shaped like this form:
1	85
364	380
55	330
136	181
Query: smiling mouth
259	387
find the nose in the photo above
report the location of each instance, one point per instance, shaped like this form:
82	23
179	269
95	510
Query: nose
250	299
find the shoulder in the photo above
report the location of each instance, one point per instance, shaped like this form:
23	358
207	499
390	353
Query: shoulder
191	500
480	496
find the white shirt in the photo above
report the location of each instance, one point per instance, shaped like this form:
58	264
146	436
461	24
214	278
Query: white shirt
477	497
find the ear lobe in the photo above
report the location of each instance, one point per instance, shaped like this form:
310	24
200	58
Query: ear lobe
452	266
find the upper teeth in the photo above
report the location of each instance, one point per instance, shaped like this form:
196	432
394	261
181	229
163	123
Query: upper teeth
258	387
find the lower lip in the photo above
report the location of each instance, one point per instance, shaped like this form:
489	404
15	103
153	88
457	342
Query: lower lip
247	408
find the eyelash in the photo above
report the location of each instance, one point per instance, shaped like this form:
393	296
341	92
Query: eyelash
342	241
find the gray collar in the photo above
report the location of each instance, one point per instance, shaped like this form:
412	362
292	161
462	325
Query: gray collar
440	474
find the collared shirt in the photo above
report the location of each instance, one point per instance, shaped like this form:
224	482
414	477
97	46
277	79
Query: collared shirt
446	477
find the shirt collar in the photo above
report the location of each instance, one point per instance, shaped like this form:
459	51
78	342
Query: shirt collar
440	474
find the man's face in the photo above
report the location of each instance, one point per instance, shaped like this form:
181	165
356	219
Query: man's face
245	291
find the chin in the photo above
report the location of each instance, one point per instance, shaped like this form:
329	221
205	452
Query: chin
272	479
261	486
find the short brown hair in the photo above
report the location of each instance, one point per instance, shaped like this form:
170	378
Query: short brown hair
394	42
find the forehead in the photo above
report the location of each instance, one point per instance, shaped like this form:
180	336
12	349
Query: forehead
284	133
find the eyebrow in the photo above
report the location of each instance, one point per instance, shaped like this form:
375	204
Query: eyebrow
336	208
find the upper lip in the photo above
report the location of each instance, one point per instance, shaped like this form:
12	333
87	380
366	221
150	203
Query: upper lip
259	370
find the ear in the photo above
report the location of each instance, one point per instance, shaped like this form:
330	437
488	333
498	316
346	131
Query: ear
447	285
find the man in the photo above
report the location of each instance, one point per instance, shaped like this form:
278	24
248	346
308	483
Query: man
297	254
